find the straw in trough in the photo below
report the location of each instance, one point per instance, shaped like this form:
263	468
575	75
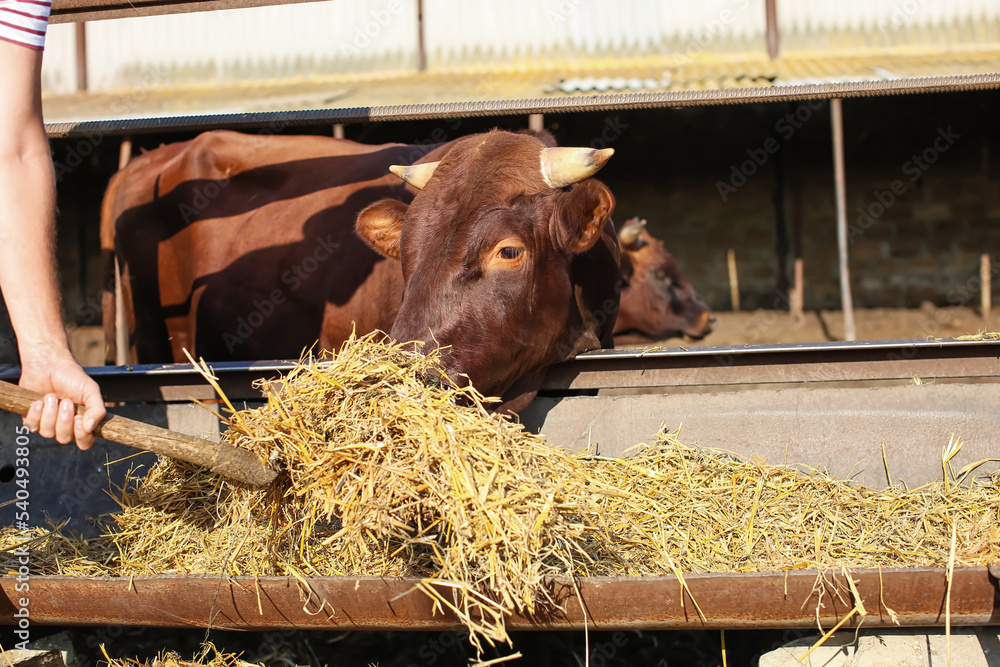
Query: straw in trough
209	657
390	471
712	512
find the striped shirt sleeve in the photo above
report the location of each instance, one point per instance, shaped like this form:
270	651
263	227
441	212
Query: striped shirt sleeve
24	21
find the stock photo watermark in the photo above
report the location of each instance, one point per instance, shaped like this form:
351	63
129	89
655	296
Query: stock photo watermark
710	31
22	522
611	130
74	154
294	278
898	15
562	12
785	127
378	20
914	168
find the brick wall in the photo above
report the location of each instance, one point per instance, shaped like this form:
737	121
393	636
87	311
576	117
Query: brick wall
681	170
926	246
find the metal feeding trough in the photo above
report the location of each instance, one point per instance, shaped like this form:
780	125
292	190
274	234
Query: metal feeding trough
832	406
727	601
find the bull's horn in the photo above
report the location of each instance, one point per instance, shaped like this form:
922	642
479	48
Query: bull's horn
628	237
565	166
416	175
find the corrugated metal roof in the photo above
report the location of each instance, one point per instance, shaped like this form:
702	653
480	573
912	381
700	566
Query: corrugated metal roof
355	36
550	79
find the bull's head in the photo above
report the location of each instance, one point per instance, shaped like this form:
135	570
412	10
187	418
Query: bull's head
492	249
658	301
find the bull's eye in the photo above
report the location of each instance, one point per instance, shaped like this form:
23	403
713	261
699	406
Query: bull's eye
508	254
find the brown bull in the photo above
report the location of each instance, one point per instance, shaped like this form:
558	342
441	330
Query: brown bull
243	247
658	302
510	259
240	247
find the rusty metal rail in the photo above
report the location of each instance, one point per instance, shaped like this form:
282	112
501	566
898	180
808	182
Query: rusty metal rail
68	11
731	601
856	361
599	103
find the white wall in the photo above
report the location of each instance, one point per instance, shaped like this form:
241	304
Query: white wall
59	59
460	32
841	24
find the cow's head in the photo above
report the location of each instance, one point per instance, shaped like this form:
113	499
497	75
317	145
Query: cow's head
658	302
491	249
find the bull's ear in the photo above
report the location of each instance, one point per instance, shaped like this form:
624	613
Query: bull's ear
380	224
582	214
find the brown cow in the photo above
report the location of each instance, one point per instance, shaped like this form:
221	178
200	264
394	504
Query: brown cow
243	247
658	302
510	259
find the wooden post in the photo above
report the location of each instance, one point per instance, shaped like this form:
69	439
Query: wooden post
421	53
536	122
121	326
839	179
771	14
338	131
797	294
81	57
986	296
797	299
124	153
734	282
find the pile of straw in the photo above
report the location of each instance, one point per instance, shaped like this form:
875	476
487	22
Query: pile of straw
389	471
412	469
701	510
173	659
51	552
982	335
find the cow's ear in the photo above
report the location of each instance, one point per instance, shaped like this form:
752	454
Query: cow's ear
380	224
583	212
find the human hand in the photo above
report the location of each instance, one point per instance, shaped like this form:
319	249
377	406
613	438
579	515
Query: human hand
64	383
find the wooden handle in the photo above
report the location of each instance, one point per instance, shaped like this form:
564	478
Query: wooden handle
237	464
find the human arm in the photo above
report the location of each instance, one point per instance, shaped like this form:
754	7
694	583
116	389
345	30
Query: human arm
27	261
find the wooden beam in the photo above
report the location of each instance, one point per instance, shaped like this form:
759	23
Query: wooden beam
986	294
734	281
796	302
